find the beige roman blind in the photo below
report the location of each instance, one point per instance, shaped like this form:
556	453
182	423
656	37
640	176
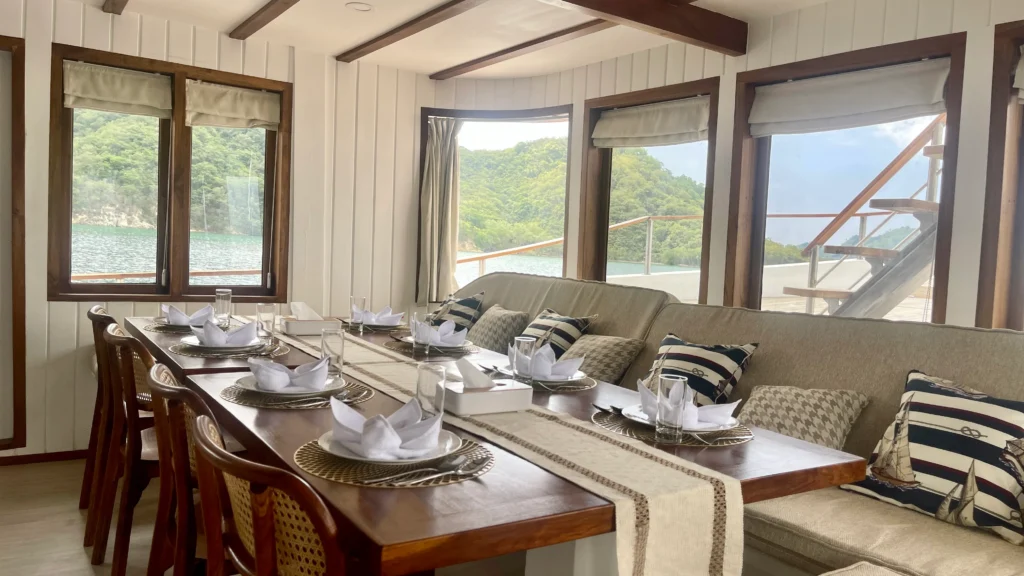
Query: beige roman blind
675	122
851	100
116	90
230	107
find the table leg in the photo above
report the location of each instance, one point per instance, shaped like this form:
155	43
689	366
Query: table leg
594	556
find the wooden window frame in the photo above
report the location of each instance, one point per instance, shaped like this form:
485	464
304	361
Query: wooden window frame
595	188
1001	273
491	116
751	157
175	189
16	47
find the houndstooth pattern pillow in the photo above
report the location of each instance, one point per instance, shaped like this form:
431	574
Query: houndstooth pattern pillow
606	358
823	417
497	328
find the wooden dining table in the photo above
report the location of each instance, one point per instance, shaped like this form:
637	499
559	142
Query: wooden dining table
516	506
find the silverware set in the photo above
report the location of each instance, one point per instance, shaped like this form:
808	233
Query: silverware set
617	411
457	466
346	395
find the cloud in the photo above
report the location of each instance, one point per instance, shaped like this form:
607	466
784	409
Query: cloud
904	131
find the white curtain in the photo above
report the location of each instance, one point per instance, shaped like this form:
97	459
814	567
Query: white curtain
439	211
675	122
1018	79
116	90
230	107
851	100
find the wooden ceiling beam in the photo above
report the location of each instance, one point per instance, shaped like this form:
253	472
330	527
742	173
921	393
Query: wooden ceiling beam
674	19
552	39
114	6
448	10
261	18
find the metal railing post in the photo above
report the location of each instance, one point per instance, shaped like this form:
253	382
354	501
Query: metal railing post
935	164
862	233
481	268
812	277
648	248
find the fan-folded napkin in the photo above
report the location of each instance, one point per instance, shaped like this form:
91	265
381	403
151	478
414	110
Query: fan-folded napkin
680	409
211	335
402	435
302	311
274	377
542	365
176	317
383	318
443	335
471	376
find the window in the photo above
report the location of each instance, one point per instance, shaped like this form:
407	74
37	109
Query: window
167	181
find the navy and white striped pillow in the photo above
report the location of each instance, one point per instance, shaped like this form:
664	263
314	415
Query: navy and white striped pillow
463	311
711	370
952	453
550	327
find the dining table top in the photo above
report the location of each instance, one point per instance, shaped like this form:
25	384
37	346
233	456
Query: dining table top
516	505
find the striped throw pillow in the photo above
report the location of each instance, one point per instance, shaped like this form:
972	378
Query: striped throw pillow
711	370
954	454
550	327
463	311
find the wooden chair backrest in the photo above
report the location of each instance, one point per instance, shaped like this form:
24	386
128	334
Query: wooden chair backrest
129	361
100	320
274	523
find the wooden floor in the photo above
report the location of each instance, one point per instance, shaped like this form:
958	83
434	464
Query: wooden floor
41	527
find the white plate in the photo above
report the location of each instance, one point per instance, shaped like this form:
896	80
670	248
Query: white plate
193	341
463	346
376	326
636	414
447	443
249	383
505	370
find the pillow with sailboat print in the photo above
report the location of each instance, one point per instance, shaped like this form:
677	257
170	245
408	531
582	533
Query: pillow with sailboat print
953	453
712	370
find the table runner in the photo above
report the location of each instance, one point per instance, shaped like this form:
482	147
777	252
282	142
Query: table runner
672	516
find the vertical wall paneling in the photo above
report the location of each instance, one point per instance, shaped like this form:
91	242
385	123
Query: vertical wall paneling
676	61
538	91
608	77
154	38
580	89
366	135
344	185
593	81
934	18
714	64
565	87
67	22
504	93
838	26
551	86
11	18
207	48
694	64
279	62
96	30
254	58
810	38
125	39
641	64
759	44
485	93
1007	11
623	73
179	43
900	21
444	92
465	93
403	250
323	221
230	54
868	23
969	14
656	66
384	185
61	343
521	89
784	38
85	380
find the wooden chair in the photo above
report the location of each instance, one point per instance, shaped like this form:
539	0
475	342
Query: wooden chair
133	450
95	459
267	520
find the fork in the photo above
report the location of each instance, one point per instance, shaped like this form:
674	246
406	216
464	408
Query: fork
448	464
466	469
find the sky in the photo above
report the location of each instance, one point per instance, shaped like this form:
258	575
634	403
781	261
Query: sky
810	173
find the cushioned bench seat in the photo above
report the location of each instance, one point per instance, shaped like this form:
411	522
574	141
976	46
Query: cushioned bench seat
829	529
863	569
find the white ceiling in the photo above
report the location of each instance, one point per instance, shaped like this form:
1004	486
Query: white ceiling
327	26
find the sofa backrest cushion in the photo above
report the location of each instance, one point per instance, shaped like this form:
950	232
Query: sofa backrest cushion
623	311
870	356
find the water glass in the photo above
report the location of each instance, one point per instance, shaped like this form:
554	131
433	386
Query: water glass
522	355
430	386
266	315
357	303
672	393
332	345
222	307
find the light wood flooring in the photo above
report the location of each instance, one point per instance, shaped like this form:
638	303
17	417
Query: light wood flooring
41	527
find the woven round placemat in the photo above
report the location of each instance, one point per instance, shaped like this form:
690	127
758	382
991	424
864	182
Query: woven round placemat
167	328
238	395
720	439
584	384
318	462
354	328
186	350
407	349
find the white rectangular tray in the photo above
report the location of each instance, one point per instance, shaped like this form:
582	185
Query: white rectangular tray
506	396
307	327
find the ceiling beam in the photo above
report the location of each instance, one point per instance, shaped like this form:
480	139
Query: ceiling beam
261	18
420	23
518	50
114	6
674	19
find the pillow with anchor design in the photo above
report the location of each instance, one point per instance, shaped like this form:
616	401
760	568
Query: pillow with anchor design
953	453
711	370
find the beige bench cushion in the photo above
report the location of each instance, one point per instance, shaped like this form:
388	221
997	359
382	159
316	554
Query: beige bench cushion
863	569
829	529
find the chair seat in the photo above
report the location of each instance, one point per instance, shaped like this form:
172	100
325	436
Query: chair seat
149	447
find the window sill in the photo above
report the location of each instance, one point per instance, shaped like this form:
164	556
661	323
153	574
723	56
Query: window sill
98	297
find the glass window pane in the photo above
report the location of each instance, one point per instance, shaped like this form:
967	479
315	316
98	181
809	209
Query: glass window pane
879	263
511	195
663	252
227	203
114	198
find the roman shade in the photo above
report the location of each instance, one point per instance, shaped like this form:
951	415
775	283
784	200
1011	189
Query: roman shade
230	107
1018	79
851	100
116	90
665	123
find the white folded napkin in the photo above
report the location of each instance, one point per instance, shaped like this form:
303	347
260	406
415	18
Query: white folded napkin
302	311
544	364
471	376
682	410
274	377
383	318
176	317
443	335
399	436
211	335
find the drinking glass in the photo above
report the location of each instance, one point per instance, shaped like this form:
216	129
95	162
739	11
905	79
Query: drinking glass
672	391
524	347
266	314
357	303
222	307
430	382
332	345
